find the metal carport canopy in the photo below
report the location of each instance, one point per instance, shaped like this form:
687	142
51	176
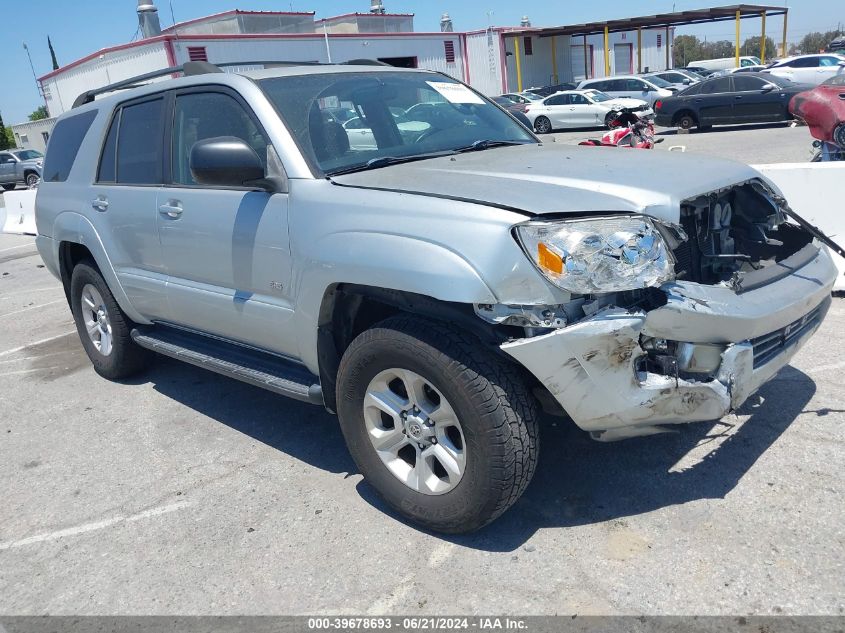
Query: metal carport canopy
678	18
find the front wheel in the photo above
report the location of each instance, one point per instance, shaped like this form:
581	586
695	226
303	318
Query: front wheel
542	125
32	180
445	431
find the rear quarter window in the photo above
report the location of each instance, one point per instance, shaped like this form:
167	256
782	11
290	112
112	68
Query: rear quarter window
64	145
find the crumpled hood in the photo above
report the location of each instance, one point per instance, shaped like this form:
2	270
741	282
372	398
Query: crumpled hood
550	178
625	102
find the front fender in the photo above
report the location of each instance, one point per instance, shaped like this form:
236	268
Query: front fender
76	228
382	260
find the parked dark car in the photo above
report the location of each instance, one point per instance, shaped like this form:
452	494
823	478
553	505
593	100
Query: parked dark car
547	91
516	109
745	98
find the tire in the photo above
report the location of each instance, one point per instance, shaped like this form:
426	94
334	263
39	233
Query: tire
542	125
608	120
493	410
686	122
32	180
123	358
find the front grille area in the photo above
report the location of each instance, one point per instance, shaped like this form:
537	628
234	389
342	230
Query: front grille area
768	346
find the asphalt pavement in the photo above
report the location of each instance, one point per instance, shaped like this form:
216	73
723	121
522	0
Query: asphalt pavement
182	492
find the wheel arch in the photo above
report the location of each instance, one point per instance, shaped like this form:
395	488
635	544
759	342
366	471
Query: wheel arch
348	309
76	239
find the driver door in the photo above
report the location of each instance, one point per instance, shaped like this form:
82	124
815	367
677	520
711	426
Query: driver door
225	249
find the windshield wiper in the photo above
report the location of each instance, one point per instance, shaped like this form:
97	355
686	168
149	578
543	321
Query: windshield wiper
384	161
487	144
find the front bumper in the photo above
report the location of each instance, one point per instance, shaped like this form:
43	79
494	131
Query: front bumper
590	367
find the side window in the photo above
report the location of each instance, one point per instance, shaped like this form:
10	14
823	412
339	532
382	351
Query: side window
716	86
578	100
828	61
635	85
357	123
108	158
6	158
139	143
203	115
747	84
558	100
67	138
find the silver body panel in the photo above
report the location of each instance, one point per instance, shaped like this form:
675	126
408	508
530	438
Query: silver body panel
255	268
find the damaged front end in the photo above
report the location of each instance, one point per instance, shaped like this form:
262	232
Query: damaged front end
746	291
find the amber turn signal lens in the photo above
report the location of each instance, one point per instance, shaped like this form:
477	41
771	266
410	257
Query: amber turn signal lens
549	260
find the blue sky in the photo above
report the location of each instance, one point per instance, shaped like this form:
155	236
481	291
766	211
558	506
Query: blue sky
80	27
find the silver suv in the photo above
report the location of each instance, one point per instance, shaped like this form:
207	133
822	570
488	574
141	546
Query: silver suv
436	287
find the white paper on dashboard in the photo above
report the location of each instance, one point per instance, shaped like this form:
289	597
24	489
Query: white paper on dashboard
455	93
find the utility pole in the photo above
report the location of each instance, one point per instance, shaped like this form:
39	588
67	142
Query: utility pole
34	76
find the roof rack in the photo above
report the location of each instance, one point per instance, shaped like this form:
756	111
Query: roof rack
190	69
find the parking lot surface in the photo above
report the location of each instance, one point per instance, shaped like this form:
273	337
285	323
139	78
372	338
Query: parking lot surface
182	492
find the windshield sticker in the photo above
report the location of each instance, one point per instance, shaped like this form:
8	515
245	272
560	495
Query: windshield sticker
455	93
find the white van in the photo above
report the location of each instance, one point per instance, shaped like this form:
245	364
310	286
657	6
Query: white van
724	63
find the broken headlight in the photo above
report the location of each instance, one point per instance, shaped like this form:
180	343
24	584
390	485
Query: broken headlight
609	254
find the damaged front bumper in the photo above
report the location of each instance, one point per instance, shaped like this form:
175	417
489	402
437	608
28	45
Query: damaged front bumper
594	368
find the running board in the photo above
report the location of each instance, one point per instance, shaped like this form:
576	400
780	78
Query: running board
248	365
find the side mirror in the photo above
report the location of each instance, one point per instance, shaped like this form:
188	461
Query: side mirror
687	82
769	87
227	161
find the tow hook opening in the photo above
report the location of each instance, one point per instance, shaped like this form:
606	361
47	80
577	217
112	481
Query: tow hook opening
694	362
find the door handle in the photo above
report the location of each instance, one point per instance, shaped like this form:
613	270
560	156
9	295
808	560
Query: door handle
173	209
100	203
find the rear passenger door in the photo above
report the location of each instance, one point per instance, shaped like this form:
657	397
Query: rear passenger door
124	198
714	102
225	248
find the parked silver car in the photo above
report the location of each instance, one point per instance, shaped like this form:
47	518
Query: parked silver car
434	292
20	167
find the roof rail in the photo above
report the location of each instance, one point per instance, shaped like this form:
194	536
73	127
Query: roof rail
188	69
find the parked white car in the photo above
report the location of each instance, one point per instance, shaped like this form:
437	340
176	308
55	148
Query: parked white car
725	63
649	90
809	69
361	136
579	108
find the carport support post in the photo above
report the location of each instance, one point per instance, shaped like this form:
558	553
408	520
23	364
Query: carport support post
785	14
518	64
639	49
668	52
606	51
738	15
586	63
554	59
763	38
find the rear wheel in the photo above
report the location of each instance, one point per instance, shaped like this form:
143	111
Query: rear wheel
103	327
686	122
543	125
443	430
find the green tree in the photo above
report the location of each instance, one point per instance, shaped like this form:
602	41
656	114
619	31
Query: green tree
52	54
4	137
815	41
40	113
751	47
10	138
686	49
718	49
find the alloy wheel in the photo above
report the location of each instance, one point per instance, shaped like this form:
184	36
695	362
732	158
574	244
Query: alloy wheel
96	318
415	431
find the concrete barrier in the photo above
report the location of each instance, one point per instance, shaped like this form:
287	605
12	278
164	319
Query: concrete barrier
20	212
815	192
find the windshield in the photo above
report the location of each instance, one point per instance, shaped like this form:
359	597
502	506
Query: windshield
657	81
838	80
597	96
440	115
28	154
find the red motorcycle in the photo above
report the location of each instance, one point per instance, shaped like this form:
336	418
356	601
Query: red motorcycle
823	110
627	129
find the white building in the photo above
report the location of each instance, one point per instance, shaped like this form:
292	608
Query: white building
485	59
